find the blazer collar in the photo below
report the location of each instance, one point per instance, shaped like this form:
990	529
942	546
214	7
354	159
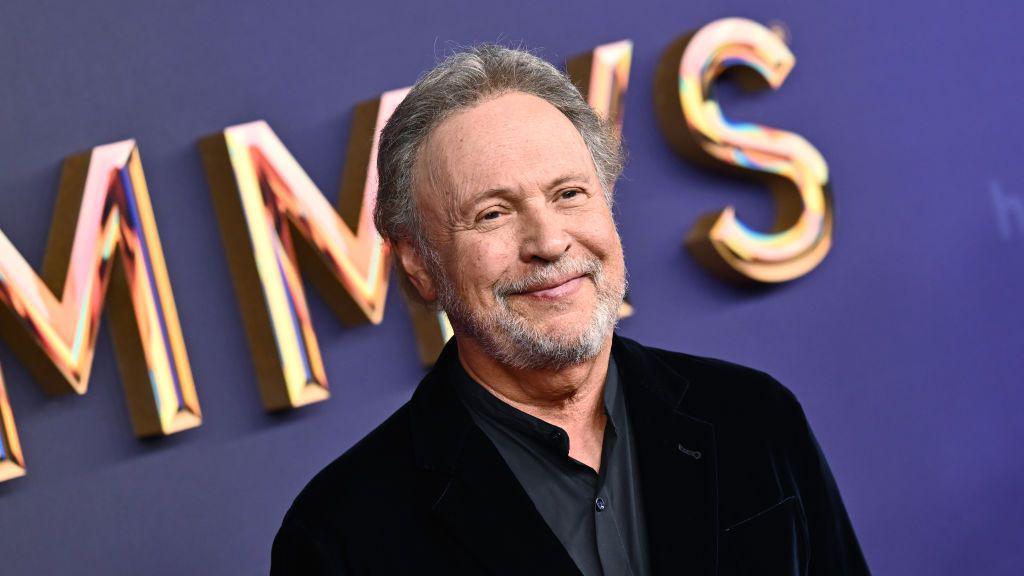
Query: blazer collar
472	491
678	462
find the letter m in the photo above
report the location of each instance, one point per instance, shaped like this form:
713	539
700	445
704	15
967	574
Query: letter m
103	249
275	222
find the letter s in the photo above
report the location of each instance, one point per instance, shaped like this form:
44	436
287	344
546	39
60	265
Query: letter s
793	168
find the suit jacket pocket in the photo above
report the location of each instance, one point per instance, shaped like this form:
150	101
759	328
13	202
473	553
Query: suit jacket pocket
772	542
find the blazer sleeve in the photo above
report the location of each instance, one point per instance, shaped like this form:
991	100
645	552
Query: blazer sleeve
834	550
299	550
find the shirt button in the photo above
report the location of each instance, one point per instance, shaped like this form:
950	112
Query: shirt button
600	504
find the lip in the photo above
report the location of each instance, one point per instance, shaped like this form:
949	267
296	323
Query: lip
556	289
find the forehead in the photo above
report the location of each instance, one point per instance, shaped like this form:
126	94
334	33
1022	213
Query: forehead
511	141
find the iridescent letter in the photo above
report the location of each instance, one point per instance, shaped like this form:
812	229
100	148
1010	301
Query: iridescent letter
793	168
262	197
12	463
103	207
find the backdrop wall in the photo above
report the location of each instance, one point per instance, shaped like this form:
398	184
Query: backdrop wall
906	346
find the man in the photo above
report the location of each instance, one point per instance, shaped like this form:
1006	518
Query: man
541	442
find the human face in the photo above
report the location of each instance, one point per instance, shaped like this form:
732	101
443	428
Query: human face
529	262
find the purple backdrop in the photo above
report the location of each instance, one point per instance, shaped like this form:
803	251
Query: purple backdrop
906	346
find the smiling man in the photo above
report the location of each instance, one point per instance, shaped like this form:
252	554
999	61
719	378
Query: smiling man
541	442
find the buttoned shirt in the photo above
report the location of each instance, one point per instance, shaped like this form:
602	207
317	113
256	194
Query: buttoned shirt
597	516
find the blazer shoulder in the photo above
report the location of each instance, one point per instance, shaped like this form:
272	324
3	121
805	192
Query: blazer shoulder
736	398
363	473
723	383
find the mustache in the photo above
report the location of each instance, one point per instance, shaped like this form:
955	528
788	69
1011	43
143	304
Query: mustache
559	269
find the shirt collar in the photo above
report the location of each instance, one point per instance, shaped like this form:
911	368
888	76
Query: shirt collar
481	403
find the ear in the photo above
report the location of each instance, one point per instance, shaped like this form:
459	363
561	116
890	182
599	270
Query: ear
412	263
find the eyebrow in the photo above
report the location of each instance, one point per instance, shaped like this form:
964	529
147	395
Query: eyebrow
568	178
500	191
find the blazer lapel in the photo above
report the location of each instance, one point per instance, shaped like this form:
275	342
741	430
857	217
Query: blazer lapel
677	464
487	509
471	490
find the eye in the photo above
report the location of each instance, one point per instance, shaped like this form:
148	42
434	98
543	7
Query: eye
492	215
570	193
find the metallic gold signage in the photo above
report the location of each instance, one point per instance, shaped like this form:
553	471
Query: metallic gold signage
602	75
275	221
52	321
795	171
12	462
276	225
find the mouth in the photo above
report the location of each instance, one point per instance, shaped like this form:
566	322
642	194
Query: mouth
555	289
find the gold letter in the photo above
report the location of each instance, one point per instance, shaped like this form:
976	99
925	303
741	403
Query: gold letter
103	206
602	76
694	124
262	196
12	463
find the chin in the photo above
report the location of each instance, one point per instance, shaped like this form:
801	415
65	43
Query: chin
564	329
550	335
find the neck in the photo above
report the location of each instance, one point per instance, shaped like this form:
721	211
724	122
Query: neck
571	398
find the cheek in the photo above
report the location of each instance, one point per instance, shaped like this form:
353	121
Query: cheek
598	234
482	261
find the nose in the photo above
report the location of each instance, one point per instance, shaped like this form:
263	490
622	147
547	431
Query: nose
543	236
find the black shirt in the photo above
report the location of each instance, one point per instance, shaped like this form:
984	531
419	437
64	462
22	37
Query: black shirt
597	516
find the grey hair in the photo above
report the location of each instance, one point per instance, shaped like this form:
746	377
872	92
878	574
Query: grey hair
461	81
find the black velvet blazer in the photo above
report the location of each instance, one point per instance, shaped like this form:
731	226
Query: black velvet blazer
732	479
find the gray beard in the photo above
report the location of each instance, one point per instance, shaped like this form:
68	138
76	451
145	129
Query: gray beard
508	338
